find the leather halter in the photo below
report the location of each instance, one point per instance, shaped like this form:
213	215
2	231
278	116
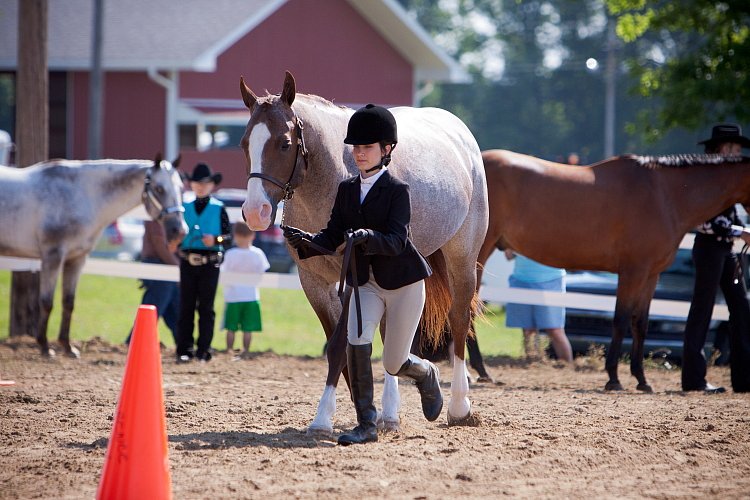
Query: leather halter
286	187
149	196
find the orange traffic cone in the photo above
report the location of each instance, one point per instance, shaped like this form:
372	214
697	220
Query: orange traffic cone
137	465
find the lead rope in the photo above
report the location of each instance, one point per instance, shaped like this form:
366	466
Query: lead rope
350	261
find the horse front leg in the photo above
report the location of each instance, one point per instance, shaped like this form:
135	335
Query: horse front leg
51	263
71	273
640	329
322	424
620	327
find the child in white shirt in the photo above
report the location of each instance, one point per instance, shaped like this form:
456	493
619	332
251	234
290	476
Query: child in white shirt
242	310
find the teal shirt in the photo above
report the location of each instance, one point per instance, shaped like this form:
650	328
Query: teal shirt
207	222
531	271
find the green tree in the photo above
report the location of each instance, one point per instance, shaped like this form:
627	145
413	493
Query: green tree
696	62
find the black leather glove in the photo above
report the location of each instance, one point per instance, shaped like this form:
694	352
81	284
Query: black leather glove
295	236
359	236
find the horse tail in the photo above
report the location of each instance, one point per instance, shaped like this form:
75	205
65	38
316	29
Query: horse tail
433	324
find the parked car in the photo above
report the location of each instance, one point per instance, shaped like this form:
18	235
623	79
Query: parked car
585	328
271	241
121	240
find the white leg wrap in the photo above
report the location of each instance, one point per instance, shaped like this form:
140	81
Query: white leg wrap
459	406
391	398
323	422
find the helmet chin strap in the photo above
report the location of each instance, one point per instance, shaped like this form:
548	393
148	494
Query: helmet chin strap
385	160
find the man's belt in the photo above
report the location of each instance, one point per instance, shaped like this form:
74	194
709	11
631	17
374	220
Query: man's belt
199	259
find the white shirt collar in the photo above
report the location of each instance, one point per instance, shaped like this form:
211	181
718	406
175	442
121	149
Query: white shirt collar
372	179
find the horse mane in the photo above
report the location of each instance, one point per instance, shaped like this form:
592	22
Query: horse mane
686	160
310	97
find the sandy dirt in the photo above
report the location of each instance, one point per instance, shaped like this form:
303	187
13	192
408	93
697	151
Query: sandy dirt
236	429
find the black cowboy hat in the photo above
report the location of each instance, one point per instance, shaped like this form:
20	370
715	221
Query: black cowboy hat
727	132
202	173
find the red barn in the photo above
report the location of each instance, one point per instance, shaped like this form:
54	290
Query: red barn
172	68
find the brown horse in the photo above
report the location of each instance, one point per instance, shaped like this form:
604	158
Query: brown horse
625	215
294	143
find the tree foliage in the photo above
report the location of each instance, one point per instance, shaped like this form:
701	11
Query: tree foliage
532	91
698	64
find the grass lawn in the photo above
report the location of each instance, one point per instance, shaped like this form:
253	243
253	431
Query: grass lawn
106	307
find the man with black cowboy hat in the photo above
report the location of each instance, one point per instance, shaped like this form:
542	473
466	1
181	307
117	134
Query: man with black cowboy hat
200	257
716	265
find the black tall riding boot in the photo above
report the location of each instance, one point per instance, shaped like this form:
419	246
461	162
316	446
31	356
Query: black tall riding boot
427	377
360	377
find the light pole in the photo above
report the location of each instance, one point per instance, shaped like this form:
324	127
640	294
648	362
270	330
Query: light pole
610	74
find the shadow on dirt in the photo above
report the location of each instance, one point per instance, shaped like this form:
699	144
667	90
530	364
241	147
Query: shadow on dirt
286	438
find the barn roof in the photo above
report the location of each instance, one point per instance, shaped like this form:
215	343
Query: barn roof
189	35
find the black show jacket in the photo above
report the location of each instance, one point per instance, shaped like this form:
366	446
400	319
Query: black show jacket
385	214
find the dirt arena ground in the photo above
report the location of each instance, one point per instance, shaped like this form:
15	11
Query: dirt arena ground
236	429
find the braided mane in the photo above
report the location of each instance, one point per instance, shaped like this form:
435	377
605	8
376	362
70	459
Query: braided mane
687	160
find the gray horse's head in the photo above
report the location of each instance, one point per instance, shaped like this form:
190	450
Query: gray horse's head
274	151
162	197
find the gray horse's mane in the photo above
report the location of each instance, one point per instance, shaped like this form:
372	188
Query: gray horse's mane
687	160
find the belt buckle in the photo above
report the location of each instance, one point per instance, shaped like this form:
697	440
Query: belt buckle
196	259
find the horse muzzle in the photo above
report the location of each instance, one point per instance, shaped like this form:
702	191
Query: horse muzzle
257	219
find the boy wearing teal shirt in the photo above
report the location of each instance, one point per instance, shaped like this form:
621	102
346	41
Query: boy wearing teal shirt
201	254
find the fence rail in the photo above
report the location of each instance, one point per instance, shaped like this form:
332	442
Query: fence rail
138	270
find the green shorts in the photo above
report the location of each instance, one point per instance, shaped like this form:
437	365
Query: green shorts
244	316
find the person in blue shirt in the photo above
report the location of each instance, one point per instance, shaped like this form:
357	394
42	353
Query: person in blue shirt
532	318
201	255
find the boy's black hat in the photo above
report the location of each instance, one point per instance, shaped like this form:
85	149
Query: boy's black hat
203	173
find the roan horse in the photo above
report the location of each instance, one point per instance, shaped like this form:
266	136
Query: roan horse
625	215
34	224
301	148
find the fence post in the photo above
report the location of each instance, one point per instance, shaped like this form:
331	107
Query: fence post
32	140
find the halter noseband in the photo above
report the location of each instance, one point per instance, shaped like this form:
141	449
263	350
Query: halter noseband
149	196
286	187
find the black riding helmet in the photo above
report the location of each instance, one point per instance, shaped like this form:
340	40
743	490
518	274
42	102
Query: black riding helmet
371	124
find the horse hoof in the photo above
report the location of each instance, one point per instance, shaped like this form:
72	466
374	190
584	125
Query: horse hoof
614	386
320	432
645	388
73	353
470	420
485	379
389	426
48	352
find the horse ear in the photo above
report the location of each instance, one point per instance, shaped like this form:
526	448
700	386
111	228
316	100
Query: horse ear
290	89
157	160
176	162
247	95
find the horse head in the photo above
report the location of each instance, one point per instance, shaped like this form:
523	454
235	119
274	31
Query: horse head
274	150
162	197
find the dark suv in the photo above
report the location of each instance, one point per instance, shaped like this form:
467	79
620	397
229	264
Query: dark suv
664	338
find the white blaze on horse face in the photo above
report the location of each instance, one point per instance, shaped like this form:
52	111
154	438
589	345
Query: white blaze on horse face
257	208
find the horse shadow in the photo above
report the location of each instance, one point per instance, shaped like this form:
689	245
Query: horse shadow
286	438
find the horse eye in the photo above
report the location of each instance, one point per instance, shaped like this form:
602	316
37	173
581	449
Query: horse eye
286	146
160	190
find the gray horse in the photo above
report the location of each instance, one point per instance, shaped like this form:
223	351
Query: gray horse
294	142
56	210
